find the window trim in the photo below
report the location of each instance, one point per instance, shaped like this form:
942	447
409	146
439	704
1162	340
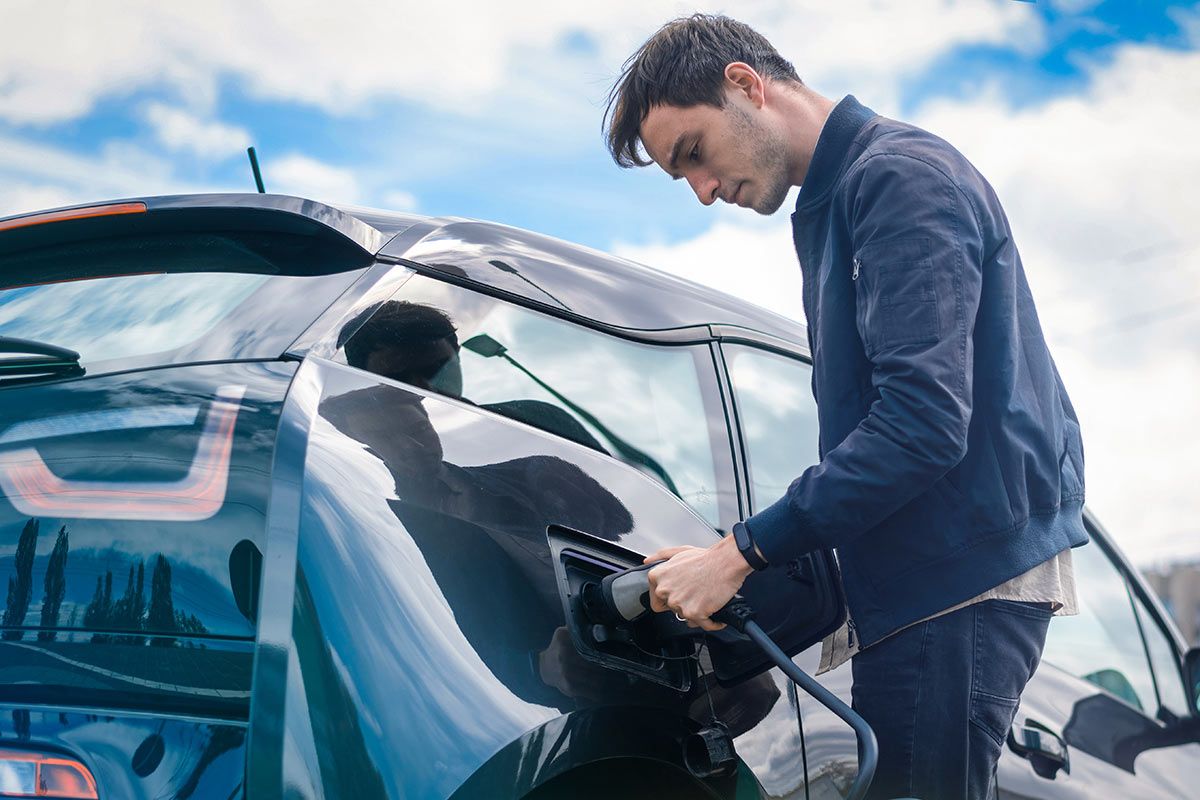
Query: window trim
1139	591
733	432
1134	587
735	334
1162	710
742	456
691	334
1134	579
1137	619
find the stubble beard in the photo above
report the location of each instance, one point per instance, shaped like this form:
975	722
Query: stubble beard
769	155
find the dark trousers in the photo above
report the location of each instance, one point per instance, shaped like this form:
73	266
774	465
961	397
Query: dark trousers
941	696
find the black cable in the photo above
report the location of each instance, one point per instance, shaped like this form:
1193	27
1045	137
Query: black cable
738	614
868	752
693	656
626	595
795	701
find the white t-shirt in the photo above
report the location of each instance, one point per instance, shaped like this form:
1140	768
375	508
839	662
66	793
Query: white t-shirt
1053	580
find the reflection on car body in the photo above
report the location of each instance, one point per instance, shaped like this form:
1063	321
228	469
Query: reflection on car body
296	520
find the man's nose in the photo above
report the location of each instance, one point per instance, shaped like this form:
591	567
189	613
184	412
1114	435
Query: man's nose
705	188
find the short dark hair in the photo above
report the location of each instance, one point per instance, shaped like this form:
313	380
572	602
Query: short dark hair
683	64
411	327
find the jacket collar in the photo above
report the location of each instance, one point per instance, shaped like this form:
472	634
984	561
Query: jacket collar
837	135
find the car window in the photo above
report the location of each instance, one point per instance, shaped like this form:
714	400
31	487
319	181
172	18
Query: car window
1168	677
125	315
654	407
778	417
1102	643
170	313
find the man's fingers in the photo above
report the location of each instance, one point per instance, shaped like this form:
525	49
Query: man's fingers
657	604
665	553
706	623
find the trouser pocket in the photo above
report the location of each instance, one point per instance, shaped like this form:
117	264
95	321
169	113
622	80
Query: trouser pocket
1009	638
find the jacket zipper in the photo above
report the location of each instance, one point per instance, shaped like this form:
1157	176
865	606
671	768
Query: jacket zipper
849	631
857	266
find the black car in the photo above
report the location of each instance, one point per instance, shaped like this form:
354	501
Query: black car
302	501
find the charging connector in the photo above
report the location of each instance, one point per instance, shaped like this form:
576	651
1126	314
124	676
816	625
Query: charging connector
626	596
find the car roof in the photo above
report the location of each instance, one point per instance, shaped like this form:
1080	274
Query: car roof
564	277
539	270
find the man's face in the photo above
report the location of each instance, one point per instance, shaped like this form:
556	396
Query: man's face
730	153
434	366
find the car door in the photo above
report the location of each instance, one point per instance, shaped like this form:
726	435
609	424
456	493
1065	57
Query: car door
1108	695
777	419
423	647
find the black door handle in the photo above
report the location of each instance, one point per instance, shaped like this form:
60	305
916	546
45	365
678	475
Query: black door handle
1045	750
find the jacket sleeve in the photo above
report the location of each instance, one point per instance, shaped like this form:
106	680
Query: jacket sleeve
917	272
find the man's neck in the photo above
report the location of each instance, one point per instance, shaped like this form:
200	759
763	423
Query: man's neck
804	112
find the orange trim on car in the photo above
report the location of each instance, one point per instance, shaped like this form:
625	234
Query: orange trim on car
52	776
110	209
33	489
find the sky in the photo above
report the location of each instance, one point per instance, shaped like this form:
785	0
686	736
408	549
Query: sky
1081	114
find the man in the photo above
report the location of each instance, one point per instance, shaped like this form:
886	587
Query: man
951	472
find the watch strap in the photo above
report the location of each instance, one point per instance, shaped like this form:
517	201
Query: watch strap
745	546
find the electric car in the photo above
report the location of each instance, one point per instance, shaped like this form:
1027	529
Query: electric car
305	501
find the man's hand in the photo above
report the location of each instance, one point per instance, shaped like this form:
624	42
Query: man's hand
697	581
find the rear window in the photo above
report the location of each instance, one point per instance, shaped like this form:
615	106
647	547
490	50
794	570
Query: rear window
149	310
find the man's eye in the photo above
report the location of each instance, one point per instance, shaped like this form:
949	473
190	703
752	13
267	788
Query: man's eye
695	154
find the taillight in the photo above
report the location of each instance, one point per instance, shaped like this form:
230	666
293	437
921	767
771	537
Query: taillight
72	213
25	773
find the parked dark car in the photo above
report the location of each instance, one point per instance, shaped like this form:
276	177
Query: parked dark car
298	501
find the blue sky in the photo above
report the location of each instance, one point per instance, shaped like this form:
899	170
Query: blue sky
1077	111
554	176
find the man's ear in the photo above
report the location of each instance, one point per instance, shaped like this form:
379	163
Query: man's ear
743	79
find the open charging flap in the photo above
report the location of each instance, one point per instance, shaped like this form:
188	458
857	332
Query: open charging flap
797	604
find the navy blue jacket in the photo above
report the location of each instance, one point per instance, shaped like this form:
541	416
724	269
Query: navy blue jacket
951	457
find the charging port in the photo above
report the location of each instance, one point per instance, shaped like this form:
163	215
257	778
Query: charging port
581	562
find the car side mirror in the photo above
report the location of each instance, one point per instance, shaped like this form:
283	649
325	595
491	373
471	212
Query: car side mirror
1191	677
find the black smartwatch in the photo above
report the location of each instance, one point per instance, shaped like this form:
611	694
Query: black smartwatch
746	546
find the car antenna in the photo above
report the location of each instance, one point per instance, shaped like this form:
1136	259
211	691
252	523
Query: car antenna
254	166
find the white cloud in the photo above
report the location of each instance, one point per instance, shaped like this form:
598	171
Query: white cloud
37	176
398	200
509	65
747	256
1100	189
17	197
41	177
1100	192
68	56
302	176
180	130
871	50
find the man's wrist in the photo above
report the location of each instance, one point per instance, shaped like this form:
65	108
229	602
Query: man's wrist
738	564
735	563
747	547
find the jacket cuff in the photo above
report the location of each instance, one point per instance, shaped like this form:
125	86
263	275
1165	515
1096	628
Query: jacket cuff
780	534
